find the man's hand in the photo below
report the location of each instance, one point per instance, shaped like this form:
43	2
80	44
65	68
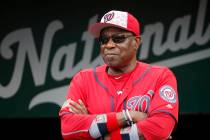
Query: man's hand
137	116
77	107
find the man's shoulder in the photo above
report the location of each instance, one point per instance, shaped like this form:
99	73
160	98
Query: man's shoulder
93	69
89	73
161	69
155	67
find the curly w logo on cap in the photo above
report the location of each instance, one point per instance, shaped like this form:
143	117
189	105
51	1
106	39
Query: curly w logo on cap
108	17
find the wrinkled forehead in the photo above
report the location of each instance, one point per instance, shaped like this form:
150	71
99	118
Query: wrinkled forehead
113	30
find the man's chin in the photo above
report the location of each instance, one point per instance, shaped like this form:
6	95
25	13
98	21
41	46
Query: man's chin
113	65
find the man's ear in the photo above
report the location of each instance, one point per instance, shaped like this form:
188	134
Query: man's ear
137	42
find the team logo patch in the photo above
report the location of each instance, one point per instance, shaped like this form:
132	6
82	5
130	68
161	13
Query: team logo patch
168	94
108	17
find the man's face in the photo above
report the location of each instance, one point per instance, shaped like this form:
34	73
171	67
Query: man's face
118	47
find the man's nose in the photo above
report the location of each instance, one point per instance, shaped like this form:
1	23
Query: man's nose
110	44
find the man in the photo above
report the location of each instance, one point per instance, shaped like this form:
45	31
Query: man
124	99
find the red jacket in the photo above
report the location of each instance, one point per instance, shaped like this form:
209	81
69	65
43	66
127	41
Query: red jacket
150	89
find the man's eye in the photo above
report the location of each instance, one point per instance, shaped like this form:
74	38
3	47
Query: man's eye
103	39
118	39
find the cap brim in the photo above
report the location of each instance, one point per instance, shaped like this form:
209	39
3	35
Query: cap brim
95	29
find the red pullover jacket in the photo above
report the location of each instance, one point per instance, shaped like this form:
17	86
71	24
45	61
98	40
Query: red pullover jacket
149	89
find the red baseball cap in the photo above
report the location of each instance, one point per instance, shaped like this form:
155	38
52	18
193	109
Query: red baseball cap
119	19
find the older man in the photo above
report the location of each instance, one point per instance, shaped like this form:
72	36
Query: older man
123	99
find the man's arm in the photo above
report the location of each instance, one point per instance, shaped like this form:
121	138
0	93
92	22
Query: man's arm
154	125
74	126
123	130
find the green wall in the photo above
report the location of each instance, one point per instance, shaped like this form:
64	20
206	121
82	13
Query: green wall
43	45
